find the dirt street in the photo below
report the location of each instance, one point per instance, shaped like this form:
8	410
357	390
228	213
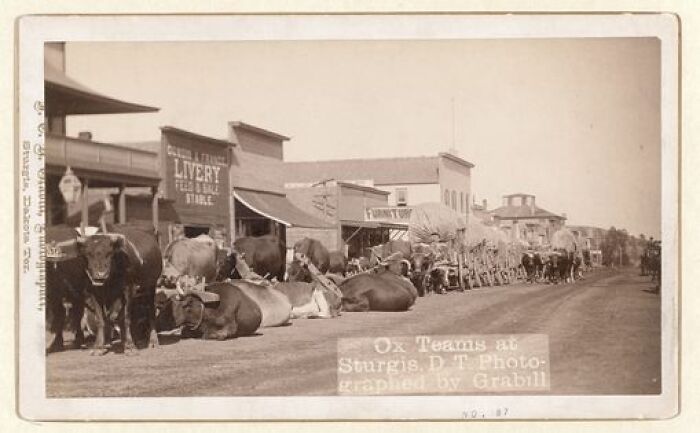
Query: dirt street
604	338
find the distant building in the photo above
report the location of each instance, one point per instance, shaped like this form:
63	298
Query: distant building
480	212
521	218
375	196
444	178
346	207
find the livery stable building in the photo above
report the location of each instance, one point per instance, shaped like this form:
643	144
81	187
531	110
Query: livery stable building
186	184
221	187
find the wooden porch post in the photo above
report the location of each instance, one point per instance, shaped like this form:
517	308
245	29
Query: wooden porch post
154	209
84	207
122	205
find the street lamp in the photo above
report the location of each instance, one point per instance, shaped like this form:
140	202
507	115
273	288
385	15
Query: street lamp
70	186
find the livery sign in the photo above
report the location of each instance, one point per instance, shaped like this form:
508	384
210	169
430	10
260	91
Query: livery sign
197	178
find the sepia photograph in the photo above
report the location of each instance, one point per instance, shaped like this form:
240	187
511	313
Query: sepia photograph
354	218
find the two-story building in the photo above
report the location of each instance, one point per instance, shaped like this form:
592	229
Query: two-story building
522	219
592	237
101	167
261	205
408	181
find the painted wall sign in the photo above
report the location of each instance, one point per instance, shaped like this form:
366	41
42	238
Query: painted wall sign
398	214
197	179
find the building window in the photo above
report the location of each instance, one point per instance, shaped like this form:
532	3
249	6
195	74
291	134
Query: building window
461	202
401	196
454	200
447	197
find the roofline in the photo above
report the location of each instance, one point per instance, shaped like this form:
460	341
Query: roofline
456	159
258	130
518	194
130	107
330	161
262	191
218	141
362	187
528	217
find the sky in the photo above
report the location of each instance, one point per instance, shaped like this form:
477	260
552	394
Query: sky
575	122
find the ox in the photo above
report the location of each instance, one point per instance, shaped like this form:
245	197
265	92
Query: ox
531	262
338	263
382	291
311	300
123	268
274	305
196	257
265	255
231	313
66	281
316	252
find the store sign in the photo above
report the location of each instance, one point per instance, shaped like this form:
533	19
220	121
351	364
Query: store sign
197	177
395	214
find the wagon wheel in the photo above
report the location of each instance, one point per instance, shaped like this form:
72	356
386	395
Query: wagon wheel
460	273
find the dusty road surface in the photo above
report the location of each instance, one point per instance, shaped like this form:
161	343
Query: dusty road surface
604	338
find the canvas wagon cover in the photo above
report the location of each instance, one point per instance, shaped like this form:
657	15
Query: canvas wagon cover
564	239
429	218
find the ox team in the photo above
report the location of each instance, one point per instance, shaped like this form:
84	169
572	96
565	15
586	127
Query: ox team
119	283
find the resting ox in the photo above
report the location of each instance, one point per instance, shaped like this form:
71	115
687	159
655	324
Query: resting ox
195	257
123	268
382	291
274	305
230	314
66	281
265	255
311	300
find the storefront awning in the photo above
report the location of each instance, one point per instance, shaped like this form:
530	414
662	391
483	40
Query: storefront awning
361	224
393	226
278	208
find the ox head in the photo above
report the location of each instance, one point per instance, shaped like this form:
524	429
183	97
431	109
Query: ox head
186	310
103	255
227	266
296	271
421	262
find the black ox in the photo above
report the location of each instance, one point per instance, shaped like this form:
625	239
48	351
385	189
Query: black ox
123	268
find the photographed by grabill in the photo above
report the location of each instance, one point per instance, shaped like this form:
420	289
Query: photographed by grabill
366	214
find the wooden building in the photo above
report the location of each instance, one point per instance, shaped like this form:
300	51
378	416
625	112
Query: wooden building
345	206
261	205
97	164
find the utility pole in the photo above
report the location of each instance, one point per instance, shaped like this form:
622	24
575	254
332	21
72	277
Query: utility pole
453	123
619	248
